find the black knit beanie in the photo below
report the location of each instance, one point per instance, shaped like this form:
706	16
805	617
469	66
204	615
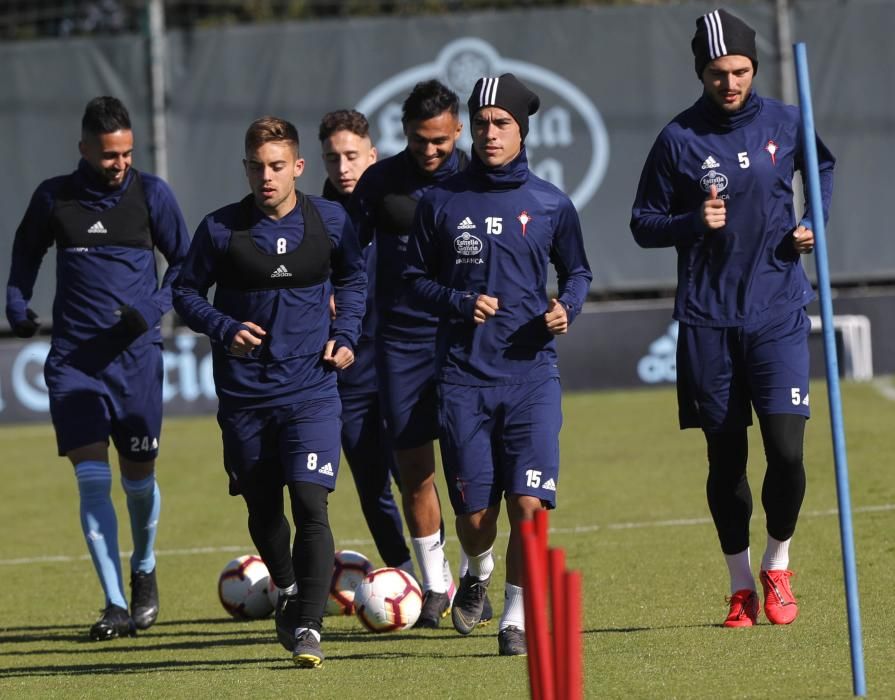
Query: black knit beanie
506	92
720	33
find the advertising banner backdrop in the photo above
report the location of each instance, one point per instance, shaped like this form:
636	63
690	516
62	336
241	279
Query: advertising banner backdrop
609	78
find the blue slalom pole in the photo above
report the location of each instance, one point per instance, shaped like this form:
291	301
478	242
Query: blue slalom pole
846	534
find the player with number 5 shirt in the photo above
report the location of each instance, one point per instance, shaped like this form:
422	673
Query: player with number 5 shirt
718	186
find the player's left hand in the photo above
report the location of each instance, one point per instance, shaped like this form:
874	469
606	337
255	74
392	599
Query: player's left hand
27	327
803	240
342	358
557	318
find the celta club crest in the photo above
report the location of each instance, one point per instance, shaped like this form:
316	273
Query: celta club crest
567	143
772	148
523	219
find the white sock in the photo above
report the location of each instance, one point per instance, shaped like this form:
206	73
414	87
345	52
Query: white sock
740	568
450	588
308	629
482	564
513	608
776	554
430	557
464	562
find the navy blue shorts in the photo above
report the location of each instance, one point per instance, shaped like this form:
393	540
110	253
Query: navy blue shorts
301	440
406	373
122	400
499	440
364	440
723	372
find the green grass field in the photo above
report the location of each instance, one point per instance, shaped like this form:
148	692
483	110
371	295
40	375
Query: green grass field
632	517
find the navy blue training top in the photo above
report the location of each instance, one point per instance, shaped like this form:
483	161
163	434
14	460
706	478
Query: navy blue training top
360	377
288	366
382	207
748	271
94	281
494	231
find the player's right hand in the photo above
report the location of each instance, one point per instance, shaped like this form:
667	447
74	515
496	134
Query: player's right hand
27	327
247	340
485	308
713	212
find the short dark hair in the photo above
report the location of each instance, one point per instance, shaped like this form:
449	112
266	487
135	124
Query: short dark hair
105	115
267	129
428	99
343	120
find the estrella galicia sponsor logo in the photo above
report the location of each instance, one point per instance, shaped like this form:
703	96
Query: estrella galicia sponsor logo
660	363
567	143
713	177
467	245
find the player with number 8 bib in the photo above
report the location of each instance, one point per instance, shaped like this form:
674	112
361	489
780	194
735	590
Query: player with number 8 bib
717	186
276	257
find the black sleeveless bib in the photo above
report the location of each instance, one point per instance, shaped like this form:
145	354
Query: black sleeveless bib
394	213
247	268
126	224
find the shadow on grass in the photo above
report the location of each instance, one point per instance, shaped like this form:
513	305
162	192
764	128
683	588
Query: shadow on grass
169	666
44	671
29	634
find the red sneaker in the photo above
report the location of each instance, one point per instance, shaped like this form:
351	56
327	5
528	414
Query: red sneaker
779	603
743	609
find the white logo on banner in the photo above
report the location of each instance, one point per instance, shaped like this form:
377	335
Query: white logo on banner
28	377
552	145
660	365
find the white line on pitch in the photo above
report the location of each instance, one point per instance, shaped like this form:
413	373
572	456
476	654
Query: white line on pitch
885	388
342	543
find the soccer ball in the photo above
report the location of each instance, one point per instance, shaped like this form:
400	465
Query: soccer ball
242	588
388	600
349	569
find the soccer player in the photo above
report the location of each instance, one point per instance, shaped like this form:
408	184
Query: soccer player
276	256
347	153
479	254
717	185
382	206
104	369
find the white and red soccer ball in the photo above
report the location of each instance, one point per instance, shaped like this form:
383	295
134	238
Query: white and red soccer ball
349	569
242	588
388	600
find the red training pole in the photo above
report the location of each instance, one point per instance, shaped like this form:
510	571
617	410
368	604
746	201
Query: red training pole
527	537
541	525
537	632
557	559
574	648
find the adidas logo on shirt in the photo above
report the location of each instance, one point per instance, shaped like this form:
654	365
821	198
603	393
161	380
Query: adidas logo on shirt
709	163
327	469
549	485
465	224
97	228
281	271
